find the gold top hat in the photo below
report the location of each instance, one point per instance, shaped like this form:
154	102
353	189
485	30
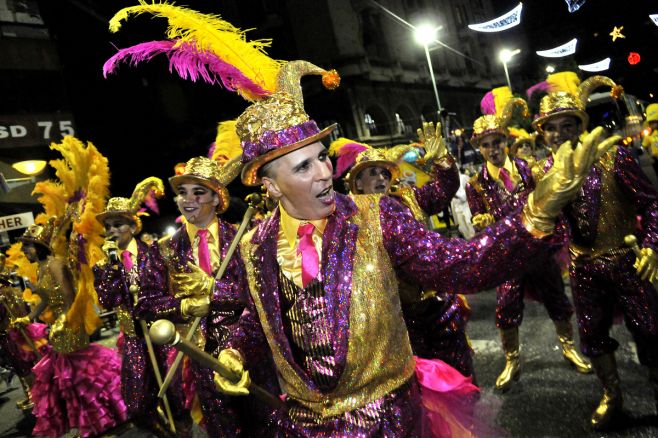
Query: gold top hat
569	98
208	173
370	157
129	207
497	124
40	234
279	125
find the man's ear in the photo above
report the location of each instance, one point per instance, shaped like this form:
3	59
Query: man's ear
359	184
133	228
215	199
272	187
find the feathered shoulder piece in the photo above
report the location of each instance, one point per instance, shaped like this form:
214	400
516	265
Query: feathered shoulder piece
202	46
75	198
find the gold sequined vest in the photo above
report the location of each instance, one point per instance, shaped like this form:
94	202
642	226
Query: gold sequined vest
379	358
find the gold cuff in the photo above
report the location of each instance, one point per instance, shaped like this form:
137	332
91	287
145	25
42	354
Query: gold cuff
445	162
533	227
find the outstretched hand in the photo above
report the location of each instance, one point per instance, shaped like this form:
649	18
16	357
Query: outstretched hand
563	181
432	141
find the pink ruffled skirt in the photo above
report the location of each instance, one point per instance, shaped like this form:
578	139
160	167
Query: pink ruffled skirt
80	390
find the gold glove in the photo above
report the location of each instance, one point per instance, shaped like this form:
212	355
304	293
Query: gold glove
563	181
482	221
233	362
21	321
433	142
196	282
647	265
195	306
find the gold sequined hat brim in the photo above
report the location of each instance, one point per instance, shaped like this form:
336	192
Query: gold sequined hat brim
363	165
250	170
539	121
215	186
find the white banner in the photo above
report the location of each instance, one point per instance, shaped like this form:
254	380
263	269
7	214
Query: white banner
16	221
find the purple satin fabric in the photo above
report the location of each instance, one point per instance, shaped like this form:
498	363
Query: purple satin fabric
272	140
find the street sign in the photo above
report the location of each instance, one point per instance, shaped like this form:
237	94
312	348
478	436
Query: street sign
20	130
16	221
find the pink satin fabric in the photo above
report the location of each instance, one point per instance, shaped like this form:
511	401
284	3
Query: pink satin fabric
204	252
127	261
310	259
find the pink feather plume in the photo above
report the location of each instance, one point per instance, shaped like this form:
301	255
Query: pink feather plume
347	157
488	104
542	86
189	62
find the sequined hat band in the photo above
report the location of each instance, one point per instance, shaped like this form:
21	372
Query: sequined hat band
271	140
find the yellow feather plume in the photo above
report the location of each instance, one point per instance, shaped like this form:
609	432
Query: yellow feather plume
227	143
78	195
211	32
336	145
564	81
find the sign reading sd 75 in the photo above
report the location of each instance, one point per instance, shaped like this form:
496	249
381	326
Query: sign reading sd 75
34	130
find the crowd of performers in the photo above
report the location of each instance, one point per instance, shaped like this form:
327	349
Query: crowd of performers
335	314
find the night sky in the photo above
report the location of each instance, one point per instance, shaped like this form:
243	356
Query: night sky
145	120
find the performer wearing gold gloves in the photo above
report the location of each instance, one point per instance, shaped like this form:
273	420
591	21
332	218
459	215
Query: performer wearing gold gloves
498	190
604	272
322	273
436	321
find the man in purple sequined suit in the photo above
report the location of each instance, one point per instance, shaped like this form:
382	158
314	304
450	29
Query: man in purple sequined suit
132	273
201	196
322	275
501	189
603	275
436	321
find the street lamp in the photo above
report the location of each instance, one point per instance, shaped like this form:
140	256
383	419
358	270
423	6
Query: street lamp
425	34
506	56
30	167
550	69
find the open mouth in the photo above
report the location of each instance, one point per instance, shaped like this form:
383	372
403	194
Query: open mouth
326	196
380	187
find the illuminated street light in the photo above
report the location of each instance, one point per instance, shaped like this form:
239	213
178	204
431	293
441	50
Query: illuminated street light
30	167
426	34
506	56
550	69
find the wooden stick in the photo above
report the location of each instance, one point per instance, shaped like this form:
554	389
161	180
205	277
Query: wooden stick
195	324
164	332
158	376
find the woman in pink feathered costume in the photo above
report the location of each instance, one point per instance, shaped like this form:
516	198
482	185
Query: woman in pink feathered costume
77	384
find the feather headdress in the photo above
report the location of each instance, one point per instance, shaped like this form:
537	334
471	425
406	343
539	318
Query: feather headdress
202	46
75	198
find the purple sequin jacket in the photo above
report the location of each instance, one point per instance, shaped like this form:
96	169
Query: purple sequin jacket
613	195
486	195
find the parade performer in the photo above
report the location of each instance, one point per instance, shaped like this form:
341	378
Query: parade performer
322	274
523	145
131	271
436	321
77	384
498	190
192	256
604	272
20	346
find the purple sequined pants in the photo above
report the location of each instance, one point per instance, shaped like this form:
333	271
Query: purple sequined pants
139	387
543	281
603	284
437	330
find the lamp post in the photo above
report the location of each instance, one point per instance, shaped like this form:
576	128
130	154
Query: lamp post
506	56
31	168
426	34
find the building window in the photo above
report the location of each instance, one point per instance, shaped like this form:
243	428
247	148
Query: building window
370	124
